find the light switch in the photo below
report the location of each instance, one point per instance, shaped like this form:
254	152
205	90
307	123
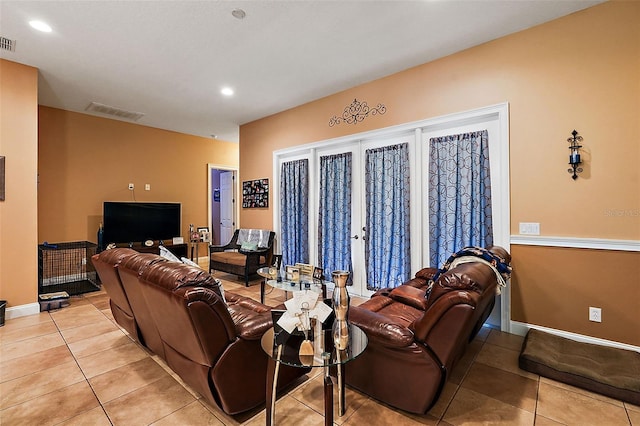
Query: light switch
147	187
529	228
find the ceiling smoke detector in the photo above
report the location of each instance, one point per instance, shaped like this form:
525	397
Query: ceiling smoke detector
7	44
238	13
116	112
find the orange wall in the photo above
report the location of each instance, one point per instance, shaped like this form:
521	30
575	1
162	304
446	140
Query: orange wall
85	160
18	213
555	286
578	72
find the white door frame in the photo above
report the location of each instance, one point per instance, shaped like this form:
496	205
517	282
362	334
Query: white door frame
236	191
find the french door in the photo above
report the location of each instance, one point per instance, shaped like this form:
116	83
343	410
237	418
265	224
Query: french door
377	232
359	232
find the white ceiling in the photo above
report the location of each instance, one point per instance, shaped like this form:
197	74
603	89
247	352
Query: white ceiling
169	59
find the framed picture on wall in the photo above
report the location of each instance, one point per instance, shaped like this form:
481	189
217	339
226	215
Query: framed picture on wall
255	193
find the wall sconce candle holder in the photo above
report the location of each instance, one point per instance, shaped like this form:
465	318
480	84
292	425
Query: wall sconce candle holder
574	154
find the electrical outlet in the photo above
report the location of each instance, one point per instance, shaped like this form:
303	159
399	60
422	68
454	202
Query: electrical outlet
147	187
595	314
130	187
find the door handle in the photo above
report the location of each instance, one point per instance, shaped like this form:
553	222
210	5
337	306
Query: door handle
355	237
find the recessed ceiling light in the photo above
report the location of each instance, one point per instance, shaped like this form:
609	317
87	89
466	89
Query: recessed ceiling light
238	13
40	26
227	91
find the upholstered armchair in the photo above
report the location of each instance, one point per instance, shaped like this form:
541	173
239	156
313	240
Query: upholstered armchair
248	250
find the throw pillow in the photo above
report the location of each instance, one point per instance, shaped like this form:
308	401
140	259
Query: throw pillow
189	262
248	246
164	252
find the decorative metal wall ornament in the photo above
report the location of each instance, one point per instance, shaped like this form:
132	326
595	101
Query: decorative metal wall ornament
356	112
574	154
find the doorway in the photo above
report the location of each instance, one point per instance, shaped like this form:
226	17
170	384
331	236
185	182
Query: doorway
222	188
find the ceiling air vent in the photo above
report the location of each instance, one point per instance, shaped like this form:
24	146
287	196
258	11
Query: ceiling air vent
116	112
7	44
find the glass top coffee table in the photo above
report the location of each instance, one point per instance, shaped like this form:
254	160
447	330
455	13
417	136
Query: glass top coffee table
269	275
283	348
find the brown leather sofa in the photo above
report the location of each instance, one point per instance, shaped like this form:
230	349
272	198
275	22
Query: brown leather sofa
415	340
179	314
232	259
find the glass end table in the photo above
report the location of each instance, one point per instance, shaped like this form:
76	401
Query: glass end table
269	275
283	348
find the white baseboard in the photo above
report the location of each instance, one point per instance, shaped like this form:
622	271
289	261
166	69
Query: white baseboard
22	310
521	328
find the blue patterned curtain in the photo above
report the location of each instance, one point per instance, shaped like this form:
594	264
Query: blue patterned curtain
334	224
387	254
459	194
294	211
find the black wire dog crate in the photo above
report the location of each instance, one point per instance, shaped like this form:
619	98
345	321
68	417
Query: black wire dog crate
67	267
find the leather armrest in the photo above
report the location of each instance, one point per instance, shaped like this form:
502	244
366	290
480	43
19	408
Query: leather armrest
427	273
214	249
253	326
423	326
378	328
411	296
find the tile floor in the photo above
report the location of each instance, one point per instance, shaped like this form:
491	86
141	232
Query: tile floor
75	366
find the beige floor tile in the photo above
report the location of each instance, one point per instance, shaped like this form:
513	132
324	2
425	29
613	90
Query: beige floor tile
31	346
483	333
24	333
76	301
634	417
631	407
94	417
502	358
581	391
372	413
505	340
448	392
107	313
461	369
149	403
101	301
24	388
76	316
504	386
120	381
96	344
472	408
26	321
194	414
311	394
543	421
111	359
93	329
22	366
289	412
53	407
228	420
568	407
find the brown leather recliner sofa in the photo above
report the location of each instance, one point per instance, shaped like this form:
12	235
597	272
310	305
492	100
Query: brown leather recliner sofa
178	313
417	335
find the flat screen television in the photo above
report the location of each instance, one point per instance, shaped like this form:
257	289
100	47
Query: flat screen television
129	222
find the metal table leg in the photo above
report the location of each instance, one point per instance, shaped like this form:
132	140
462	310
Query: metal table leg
273	366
